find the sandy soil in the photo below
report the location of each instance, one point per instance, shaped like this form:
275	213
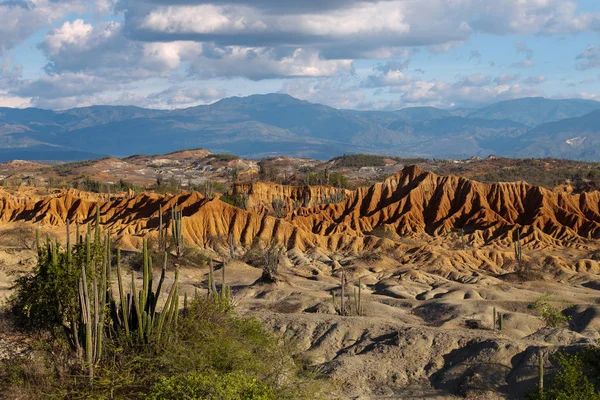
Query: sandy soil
422	336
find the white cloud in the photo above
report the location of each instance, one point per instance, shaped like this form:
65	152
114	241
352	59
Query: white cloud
504	79
184	97
535	80
342	28
22	18
339	91
264	63
590	58
63	85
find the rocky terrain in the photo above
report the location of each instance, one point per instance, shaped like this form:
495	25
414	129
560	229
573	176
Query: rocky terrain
433	256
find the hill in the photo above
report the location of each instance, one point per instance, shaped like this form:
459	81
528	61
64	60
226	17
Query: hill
277	124
534	111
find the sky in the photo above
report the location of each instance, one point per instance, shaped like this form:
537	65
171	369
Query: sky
354	54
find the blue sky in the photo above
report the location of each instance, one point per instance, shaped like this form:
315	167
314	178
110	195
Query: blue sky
362	54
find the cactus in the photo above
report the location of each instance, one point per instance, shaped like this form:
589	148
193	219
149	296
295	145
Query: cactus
500	321
124	310
161	243
342	297
357	299
95	310
518	251
494	318
231	247
541	372
176	230
185	303
163	273
145	275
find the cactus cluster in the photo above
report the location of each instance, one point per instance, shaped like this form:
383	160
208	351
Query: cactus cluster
223	295
97	313
176	230
518	251
346	307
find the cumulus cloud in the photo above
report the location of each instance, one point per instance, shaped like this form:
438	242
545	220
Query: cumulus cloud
474	80
339	27
180	96
340	91
527	53
590	58
22	18
443	94
78	46
535	80
264	63
63	85
504	79
313	41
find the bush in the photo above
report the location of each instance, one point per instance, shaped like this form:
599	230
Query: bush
552	316
359	160
210	352
571	381
224	157
267	257
210	385
216	354
239	200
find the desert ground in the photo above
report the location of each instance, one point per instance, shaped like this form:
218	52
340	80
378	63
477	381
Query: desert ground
432	258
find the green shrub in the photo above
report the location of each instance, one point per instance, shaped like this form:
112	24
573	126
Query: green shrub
224	157
239	200
571	381
210	385
552	316
359	160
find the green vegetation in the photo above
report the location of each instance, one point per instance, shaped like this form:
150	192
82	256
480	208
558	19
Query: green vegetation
239	200
223	157
170	185
552	316
359	160
91	185
70	168
549	173
97	340
576	379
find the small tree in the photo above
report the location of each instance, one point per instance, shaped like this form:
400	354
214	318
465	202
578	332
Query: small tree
552	316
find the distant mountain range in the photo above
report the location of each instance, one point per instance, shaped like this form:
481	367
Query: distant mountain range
277	124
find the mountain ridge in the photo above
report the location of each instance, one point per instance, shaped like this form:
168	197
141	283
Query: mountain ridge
279	124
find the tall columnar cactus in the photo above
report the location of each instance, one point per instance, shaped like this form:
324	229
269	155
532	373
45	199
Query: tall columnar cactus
518	251
124	309
136	313
94	312
342	295
500	321
176	230
161	241
357	299
541	372
231	247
